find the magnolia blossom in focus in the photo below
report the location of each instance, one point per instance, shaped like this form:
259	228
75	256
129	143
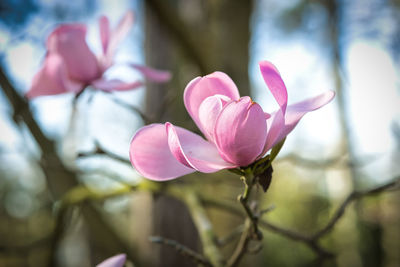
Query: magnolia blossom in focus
115	261
237	130
70	66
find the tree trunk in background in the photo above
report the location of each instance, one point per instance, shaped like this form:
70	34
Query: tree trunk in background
220	31
366	252
349	174
171	219
230	28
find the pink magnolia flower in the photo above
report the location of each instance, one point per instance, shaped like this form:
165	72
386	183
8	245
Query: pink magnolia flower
115	261
69	65
237	130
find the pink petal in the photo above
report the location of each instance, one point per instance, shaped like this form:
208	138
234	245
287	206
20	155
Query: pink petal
118	34
115	85
153	74
202	87
209	111
69	42
193	151
296	111
115	261
275	124
241	131
275	83
151	156
52	79
104	26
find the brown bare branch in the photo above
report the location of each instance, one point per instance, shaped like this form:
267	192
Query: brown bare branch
99	150
182	249
59	178
242	245
350	198
312	241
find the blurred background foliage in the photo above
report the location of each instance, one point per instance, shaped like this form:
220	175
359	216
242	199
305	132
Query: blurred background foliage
351	144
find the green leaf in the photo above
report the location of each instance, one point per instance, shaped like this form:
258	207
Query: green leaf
276	149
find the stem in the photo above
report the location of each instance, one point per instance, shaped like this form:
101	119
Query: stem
241	247
244	199
251	231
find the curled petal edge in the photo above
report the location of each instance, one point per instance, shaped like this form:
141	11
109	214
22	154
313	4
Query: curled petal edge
193	151
151	156
275	83
293	115
200	88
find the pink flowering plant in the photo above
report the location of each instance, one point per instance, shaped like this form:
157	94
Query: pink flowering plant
238	133
234	134
70	66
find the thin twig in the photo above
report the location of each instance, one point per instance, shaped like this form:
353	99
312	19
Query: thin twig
231	236
353	196
23	248
146	119
251	230
182	249
242	245
244	198
99	150
312	241
59	178
269	209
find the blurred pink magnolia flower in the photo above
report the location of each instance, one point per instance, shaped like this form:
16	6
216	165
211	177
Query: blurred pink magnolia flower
238	131
115	261
70	66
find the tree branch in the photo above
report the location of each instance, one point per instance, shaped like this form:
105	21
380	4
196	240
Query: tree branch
242	245
182	249
230	237
312	241
21	112
59	178
99	150
204	227
244	198
251	231
350	198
